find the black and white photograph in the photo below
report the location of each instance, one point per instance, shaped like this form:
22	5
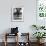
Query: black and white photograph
17	14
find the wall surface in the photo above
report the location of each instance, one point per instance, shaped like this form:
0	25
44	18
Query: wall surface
29	15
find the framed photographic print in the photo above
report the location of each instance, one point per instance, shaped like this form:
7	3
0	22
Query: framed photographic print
41	12
41	8
17	14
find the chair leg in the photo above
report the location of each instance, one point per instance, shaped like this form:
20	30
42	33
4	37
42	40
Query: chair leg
5	43
5	40
16	40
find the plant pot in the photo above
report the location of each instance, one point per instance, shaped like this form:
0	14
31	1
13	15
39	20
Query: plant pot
40	41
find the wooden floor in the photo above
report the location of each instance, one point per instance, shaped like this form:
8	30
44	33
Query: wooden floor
13	44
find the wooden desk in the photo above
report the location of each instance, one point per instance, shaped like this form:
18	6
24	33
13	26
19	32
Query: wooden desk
8	34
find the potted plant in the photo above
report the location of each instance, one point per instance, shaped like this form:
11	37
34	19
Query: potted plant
39	35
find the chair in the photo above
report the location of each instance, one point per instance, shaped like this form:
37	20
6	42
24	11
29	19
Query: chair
7	35
14	32
26	41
